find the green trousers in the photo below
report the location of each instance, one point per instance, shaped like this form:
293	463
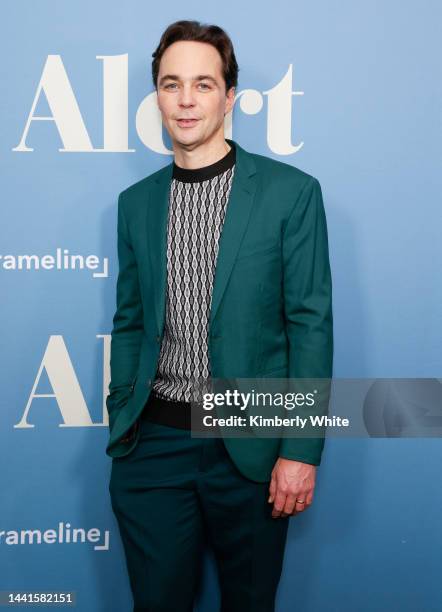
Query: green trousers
171	495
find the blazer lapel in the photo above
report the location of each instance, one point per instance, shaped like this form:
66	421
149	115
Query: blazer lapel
236	220
157	214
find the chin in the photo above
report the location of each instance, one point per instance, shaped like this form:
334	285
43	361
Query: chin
187	139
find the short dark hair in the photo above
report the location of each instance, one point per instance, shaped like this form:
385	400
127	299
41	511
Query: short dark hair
196	31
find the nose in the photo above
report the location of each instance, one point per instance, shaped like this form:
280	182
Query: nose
185	98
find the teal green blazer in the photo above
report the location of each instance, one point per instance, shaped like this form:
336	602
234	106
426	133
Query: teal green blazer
271	311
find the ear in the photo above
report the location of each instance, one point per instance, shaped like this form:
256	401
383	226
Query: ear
230	100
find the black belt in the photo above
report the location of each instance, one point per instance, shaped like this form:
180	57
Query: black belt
167	412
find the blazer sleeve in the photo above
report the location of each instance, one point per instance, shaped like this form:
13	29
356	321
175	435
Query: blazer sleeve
307	287
127	330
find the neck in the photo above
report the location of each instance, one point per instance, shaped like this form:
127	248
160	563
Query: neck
209	171
200	155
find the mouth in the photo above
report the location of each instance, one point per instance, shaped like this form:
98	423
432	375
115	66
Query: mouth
187	123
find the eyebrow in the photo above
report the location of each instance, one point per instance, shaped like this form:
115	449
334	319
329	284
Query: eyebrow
199	77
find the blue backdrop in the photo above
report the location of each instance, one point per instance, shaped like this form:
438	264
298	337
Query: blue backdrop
347	91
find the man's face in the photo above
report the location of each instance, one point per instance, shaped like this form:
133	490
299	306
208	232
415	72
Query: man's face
191	87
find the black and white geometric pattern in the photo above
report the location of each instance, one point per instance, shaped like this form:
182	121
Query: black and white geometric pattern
195	220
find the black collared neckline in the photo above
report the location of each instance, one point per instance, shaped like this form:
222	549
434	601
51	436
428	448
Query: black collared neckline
197	175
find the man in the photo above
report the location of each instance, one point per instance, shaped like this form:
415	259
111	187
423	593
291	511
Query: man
223	272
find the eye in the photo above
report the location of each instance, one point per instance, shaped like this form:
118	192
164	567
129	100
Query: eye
169	85
205	85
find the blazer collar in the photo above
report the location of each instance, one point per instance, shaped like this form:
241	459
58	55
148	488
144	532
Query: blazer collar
236	219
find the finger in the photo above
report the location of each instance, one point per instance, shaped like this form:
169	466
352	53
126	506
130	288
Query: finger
278	504
289	505
300	504
301	507
309	498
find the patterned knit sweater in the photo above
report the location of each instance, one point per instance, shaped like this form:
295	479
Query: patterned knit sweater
197	205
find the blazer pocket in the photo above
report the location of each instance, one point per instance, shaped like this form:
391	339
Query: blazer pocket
264	251
274	370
